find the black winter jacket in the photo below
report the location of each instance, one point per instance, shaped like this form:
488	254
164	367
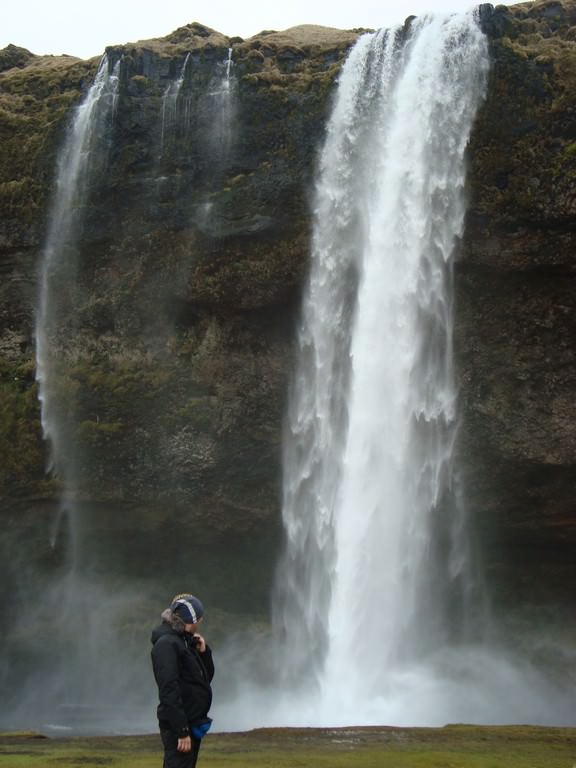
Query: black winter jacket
183	675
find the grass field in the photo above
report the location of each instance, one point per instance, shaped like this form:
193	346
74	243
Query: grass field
458	746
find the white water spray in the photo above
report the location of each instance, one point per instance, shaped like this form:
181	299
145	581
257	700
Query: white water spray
377	575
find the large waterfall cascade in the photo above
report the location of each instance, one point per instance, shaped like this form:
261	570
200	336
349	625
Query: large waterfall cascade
378	574
380	610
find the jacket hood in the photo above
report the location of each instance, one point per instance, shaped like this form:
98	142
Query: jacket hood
159	631
171	624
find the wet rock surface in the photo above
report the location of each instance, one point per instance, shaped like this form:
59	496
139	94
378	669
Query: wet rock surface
516	323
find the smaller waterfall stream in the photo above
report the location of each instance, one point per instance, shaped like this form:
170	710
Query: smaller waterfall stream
74	609
170	106
221	93
84	154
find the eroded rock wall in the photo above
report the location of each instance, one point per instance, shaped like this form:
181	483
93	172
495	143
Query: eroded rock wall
190	262
516	299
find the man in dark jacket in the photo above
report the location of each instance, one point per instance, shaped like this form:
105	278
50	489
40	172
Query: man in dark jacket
183	668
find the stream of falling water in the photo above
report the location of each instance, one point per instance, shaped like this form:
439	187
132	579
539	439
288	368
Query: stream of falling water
83	153
380	611
170	114
221	93
73	609
378	574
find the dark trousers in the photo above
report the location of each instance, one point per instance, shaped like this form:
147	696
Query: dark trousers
173	758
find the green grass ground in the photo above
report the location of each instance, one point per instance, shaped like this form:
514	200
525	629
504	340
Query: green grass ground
458	746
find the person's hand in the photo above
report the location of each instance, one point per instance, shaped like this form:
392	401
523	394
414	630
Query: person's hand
185	744
200	642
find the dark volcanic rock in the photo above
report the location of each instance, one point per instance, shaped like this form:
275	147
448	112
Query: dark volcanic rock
192	254
516	306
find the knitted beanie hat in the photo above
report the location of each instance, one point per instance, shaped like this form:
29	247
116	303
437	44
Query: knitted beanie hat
188	607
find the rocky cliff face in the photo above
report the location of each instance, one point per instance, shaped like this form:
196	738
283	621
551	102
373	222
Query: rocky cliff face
516	321
193	253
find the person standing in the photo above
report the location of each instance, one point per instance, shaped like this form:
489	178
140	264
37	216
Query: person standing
183	670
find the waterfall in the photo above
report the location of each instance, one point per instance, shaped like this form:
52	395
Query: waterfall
83	155
221	92
170	117
377	575
228	66
73	608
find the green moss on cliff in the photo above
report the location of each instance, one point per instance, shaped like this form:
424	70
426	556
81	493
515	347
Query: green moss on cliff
522	168
14	56
21	446
112	391
34	104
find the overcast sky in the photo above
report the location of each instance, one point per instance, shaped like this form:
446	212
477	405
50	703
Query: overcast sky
84	29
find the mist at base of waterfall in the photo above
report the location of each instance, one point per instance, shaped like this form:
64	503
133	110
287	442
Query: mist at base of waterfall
475	685
79	660
470	685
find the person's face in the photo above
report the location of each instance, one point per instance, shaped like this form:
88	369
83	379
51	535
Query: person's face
192	628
